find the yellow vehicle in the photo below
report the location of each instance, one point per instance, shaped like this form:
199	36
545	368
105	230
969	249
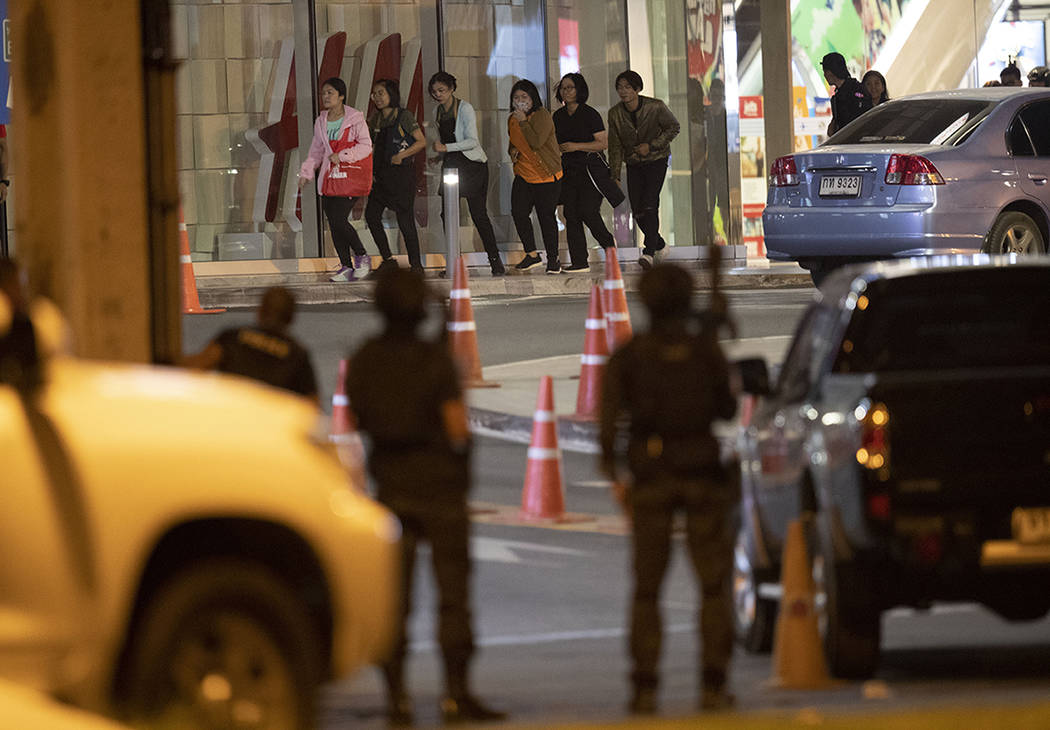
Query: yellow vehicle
183	546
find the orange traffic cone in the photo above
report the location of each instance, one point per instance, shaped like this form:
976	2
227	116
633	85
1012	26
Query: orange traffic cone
798	656
543	497
462	332
592	362
342	419
191	304
617	321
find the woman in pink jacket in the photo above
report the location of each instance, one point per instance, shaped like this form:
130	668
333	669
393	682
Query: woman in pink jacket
342	149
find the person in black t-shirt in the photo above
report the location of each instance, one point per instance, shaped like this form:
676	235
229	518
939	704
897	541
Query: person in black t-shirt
264	352
851	98
580	132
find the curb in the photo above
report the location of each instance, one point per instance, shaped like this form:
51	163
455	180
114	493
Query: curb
576	436
313	288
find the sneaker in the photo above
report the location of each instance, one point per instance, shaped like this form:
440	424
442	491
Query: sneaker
643	702
713	700
554	268
645	261
497	267
531	261
576	268
344	274
362	262
387	264
468	709
660	254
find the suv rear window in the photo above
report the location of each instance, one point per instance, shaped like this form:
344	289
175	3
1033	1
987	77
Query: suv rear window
989	318
916	121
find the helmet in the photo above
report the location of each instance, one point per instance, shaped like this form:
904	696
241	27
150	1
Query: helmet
1039	76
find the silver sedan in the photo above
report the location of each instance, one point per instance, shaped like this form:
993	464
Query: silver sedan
942	172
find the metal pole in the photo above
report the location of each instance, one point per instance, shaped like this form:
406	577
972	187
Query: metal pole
4	250
451	181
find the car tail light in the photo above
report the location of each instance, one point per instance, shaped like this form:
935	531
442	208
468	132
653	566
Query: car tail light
783	172
874	451
912	170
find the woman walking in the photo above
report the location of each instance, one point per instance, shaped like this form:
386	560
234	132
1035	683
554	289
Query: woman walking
342	149
459	145
537	174
396	137
640	132
580	132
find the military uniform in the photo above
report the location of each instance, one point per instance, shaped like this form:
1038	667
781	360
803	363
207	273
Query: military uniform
670	384
397	384
268	355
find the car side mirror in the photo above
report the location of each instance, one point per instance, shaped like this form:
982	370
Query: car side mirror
754	375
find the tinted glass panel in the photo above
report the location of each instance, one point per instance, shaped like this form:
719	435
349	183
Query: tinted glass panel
1017	139
916	121
1036	118
993	318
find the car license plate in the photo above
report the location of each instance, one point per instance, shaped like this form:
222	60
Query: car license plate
840	186
1031	525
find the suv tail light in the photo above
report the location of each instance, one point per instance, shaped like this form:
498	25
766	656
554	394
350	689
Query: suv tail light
783	172
912	170
874	451
874	454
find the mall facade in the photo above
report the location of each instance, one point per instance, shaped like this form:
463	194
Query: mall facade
247	96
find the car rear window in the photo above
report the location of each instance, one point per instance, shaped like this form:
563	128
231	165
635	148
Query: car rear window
947	322
916	121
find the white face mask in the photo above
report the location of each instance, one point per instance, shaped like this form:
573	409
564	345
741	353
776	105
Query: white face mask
523	106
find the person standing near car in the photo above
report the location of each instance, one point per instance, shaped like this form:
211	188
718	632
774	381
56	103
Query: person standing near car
875	84
396	138
850	99
264	351
665	387
581	132
1039	76
341	153
640	132
405	393
461	150
1010	75
537	174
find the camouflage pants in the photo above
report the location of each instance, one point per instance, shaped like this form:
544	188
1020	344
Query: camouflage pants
711	519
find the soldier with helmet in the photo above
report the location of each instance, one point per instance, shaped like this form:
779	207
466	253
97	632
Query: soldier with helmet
1039	76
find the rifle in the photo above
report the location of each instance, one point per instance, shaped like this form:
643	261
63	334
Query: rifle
717	314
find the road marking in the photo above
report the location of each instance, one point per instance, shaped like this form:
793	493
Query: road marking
593	484
493	550
487	513
551	637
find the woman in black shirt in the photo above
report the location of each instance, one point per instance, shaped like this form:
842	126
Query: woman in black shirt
580	131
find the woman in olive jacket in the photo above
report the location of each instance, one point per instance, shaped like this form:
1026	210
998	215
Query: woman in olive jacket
537	174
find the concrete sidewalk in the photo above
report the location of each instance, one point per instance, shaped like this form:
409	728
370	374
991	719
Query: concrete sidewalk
506	412
244	289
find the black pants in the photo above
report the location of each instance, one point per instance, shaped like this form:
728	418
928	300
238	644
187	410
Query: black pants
645	180
394	188
344	237
711	516
581	204
524	196
446	527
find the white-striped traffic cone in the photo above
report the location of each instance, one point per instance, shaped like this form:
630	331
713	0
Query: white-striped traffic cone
617	320
462	332
191	303
542	497
592	362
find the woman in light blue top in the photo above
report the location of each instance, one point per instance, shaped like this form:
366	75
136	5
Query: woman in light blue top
457	127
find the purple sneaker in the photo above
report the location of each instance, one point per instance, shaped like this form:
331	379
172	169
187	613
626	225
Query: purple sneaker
344	274
362	262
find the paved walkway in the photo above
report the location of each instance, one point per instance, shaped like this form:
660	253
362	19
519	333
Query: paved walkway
506	411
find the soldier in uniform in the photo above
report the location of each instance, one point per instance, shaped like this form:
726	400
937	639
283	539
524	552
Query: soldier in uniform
264	351
665	387
406	396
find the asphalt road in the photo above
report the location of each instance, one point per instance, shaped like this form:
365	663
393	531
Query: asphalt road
551	604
